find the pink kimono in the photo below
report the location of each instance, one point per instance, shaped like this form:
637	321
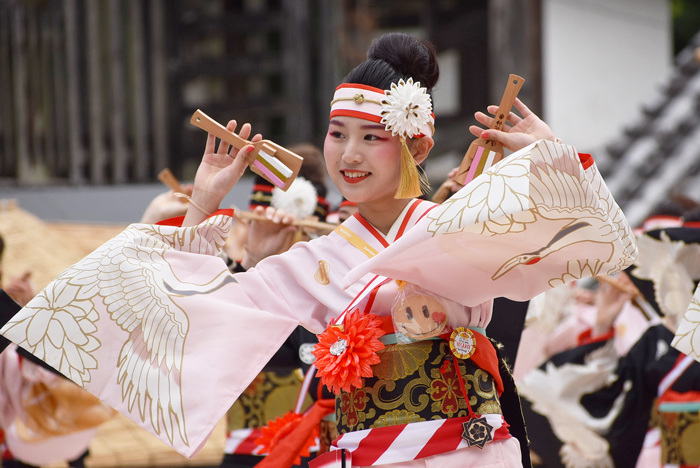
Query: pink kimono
154	324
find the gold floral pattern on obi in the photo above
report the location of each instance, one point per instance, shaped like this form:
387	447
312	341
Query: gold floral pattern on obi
680	433
483	385
352	406
490	407
445	391
394	418
423	393
399	361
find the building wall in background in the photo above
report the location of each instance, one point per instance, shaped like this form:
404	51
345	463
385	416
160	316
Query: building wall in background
601	60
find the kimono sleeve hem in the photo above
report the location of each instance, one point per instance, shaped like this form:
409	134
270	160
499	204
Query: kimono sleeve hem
178	220
259	364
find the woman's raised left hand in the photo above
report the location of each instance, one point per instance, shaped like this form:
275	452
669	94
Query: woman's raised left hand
521	132
218	172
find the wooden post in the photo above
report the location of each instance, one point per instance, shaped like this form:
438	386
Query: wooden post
296	70
327	67
119	154
138	73
48	92
96	126
35	114
515	36
19	69
60	87
159	86
9	156
77	154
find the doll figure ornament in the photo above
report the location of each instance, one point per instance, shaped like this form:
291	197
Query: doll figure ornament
418	314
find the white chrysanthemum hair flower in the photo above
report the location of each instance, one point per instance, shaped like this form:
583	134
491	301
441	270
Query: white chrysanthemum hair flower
299	199
406	108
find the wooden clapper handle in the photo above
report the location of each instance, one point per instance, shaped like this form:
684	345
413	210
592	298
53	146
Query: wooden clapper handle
515	82
275	163
303	223
166	176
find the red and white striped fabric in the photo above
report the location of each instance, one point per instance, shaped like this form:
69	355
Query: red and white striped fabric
242	441
405	442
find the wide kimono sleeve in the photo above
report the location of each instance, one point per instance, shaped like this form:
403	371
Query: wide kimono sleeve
539	218
305	282
155	325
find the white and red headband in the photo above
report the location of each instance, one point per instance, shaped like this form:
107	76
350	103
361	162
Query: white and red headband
405	109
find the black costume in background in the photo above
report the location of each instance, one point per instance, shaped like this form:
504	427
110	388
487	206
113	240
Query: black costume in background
644	366
504	330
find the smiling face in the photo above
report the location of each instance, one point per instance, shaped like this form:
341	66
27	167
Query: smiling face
362	159
420	317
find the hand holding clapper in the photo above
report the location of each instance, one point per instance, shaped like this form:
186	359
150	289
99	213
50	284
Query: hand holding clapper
276	164
482	154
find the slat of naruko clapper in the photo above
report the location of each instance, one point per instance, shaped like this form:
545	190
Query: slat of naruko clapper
273	162
482	153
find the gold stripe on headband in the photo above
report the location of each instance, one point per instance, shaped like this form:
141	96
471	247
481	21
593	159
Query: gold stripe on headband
358	98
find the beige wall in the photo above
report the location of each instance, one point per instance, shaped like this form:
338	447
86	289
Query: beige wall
601	60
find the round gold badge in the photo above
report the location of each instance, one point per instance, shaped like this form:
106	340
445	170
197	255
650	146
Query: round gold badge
463	343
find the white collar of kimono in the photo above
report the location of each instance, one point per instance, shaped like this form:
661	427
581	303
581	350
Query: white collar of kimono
394	230
369	240
365	102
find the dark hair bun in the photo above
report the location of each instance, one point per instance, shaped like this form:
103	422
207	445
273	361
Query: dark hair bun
408	56
396	56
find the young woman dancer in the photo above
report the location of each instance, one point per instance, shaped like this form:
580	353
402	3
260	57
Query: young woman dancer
363	159
399	403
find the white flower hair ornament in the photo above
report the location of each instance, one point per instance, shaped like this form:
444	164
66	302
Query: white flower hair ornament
406	110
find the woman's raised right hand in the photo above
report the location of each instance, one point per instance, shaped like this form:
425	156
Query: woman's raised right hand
218	172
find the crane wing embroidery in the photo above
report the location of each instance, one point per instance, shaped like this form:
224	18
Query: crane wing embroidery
132	277
687	339
537	218
509	197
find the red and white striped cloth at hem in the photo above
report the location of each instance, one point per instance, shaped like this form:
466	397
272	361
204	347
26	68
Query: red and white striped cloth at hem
405	442
242	442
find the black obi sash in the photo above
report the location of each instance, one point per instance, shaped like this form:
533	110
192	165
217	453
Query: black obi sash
679	437
408	386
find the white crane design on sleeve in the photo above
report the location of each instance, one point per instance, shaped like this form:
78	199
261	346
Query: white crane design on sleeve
139	290
535	220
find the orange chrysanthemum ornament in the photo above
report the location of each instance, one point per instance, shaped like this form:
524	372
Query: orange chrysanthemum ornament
345	353
275	431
